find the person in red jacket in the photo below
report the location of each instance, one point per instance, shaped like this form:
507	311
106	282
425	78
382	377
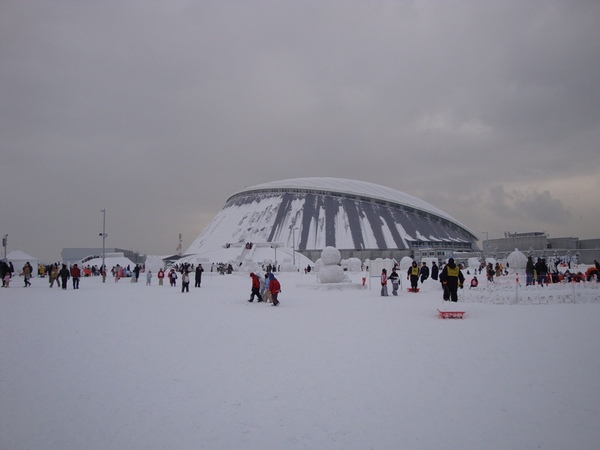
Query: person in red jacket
160	276
275	288
255	288
75	275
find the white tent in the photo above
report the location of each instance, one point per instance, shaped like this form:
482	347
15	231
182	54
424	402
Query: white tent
19	258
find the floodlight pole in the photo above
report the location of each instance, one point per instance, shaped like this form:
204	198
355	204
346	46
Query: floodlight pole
103	268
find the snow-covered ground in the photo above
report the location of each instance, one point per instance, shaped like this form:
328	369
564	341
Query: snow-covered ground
130	366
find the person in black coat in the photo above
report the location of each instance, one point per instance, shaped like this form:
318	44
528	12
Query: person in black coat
4	269
64	276
434	271
451	278
529	271
541	269
424	272
198	275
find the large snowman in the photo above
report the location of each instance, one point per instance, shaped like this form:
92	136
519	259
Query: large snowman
331	271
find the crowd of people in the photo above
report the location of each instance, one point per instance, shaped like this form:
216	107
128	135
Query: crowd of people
267	288
451	277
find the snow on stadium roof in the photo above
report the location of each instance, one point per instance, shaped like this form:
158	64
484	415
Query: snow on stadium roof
362	189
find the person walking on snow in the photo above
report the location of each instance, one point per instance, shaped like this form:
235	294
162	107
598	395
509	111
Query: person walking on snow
529	271
424	272
198	275
255	288
173	277
148	278
27	274
64	276
542	270
136	274
275	289
394	278
75	275
384	280
4	272
160	276
185	282
412	274
451	278
435	270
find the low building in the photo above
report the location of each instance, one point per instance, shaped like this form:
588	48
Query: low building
539	244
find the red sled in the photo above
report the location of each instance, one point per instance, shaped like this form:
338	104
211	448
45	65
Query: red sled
451	314
411	290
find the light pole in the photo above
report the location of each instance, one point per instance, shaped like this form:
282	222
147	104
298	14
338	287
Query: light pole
5	243
274	246
103	234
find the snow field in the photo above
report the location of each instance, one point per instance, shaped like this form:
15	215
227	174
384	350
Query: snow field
124	365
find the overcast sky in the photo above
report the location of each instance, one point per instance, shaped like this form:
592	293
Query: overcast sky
158	111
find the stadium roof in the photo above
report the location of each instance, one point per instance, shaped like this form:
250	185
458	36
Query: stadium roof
362	190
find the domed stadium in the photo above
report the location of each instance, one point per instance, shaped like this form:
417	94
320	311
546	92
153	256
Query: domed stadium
305	215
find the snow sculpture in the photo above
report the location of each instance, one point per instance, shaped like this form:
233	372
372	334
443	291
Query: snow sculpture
405	263
318	265
249	266
353	264
517	260
288	266
474	263
331	271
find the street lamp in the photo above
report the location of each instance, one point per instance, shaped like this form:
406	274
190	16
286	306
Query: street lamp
5	243
103	234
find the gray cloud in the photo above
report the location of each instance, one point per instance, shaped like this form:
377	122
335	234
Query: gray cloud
159	111
529	205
